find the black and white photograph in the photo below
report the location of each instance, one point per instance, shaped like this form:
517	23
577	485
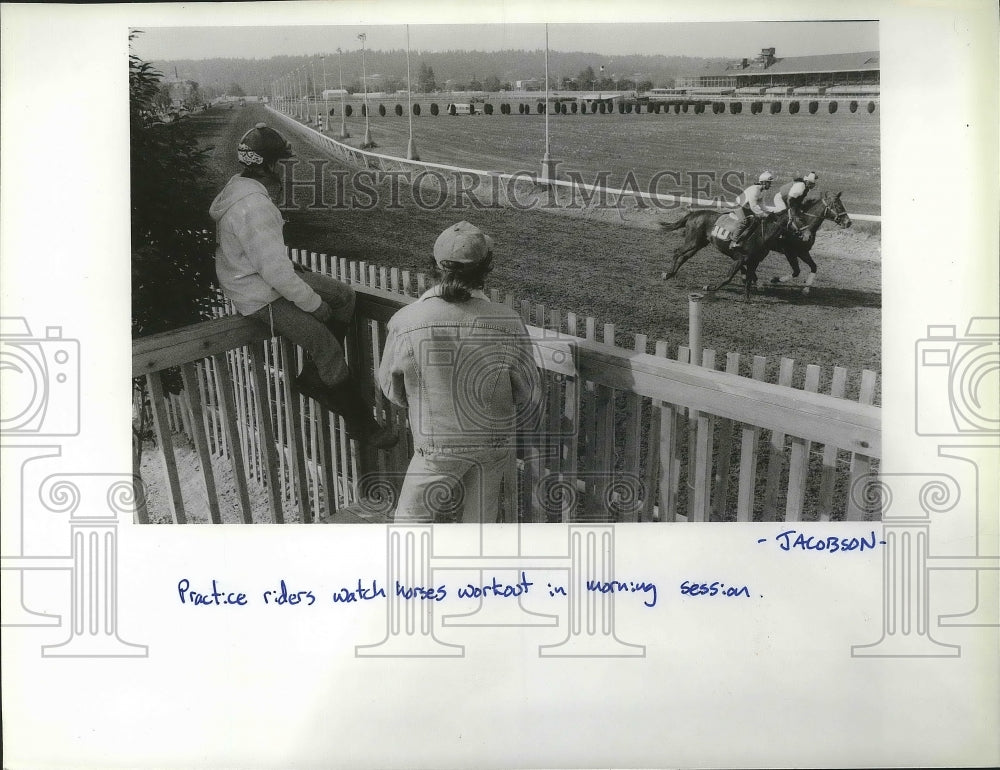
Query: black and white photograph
670	208
501	385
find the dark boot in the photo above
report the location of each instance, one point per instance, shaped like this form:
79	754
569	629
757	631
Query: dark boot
339	331
345	399
309	383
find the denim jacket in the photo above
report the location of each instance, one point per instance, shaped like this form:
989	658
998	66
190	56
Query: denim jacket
465	371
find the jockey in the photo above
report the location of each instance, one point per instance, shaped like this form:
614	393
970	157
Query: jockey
792	195
751	208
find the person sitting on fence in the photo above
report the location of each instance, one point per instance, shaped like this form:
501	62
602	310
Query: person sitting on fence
307	308
464	369
751	208
792	195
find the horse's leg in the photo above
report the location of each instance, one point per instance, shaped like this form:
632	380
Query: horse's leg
751	277
681	255
812	271
793	263
739	263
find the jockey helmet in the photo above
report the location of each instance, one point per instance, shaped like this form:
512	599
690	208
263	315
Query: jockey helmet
766	178
261	146
810	179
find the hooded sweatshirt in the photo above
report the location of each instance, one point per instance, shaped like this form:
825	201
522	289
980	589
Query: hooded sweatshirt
250	258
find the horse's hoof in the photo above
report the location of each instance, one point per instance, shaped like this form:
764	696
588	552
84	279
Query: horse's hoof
663	276
775	280
805	290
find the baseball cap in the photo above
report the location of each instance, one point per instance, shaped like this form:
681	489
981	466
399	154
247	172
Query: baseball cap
463	243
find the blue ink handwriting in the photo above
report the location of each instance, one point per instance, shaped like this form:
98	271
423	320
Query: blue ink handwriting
617	586
495	589
215	597
713	589
291	598
361	593
367	589
419	592
832	544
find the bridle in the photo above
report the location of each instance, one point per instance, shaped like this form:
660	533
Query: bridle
827	209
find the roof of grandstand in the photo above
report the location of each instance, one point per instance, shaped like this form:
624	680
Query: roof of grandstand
862	61
839	62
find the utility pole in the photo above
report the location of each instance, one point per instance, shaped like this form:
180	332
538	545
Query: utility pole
367	143
343	112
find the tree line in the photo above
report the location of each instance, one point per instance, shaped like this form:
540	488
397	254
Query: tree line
432	71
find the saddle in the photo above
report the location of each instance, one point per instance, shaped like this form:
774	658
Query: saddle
725	226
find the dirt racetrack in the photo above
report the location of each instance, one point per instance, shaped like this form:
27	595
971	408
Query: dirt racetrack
609	267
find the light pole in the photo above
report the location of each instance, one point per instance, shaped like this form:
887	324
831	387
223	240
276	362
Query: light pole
326	110
367	143
343	113
548	165
302	90
411	148
312	91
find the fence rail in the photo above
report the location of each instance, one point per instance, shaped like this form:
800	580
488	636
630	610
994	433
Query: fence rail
628	435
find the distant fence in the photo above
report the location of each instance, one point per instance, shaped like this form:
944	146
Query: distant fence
629	436
389	163
566	103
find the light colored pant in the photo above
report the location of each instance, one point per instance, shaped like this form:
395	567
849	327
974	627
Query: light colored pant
479	484
285	318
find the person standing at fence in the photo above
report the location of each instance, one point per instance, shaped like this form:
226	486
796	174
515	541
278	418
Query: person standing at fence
464	368
307	308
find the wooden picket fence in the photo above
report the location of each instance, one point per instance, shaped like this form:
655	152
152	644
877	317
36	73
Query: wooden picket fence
628	435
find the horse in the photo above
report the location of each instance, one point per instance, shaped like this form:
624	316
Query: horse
704	226
796	246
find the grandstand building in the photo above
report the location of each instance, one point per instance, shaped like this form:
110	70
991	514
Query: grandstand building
859	71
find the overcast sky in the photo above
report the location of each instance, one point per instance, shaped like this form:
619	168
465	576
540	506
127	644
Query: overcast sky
718	39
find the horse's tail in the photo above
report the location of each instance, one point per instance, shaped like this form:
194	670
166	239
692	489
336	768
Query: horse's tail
670	226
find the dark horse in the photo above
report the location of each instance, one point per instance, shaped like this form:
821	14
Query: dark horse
702	227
